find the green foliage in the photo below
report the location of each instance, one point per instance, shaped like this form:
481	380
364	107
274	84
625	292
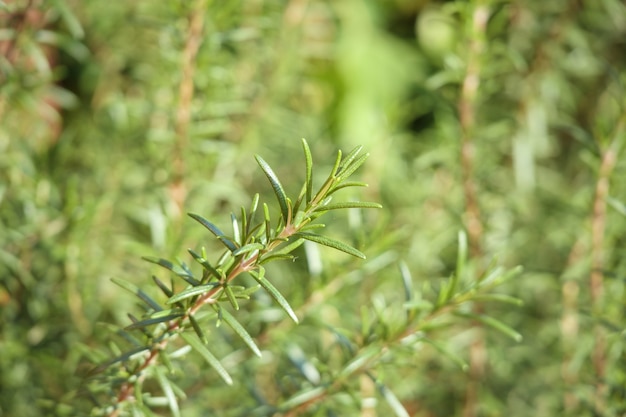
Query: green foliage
148	349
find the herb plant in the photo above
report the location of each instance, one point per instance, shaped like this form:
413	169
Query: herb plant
151	342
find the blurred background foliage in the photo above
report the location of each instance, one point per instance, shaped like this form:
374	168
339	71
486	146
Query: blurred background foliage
502	118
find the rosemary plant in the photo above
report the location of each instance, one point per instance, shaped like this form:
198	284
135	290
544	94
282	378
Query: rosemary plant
155	338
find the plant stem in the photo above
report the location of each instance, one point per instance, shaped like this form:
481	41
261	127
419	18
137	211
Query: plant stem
178	190
467	114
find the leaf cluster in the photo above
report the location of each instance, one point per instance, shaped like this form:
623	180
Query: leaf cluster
211	295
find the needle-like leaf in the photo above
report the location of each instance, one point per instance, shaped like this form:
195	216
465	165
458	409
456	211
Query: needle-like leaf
215	230
332	243
199	347
278	188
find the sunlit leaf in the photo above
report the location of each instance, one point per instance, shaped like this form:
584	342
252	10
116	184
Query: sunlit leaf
193	291
272	291
241	331
199	347
335	244
309	171
349	204
167	391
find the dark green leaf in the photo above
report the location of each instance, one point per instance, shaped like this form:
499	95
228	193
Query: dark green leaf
199	347
153	320
121	358
198	329
205	264
278	188
215	230
171	267
138	292
332	243
166	290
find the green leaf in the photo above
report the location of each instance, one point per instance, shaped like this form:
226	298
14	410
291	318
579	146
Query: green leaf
279	257
349	170
167	390
278	188
309	171
273	292
302	397
407	281
153	320
360	361
236	232
502	298
248	248
312	226
268	224
166	290
345	184
199	347
288	248
173	268
205	264
494	323
121	358
349	204
461	255
395	404
244	224
230	295
349	158
215	230
446	352
198	329
138	292
240	330
332	243
336	165
499	276
193	291
617	205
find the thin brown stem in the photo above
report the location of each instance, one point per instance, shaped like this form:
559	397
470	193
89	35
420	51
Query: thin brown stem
474	225
178	190
598	226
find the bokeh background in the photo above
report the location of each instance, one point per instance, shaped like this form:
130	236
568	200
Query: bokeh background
502	118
